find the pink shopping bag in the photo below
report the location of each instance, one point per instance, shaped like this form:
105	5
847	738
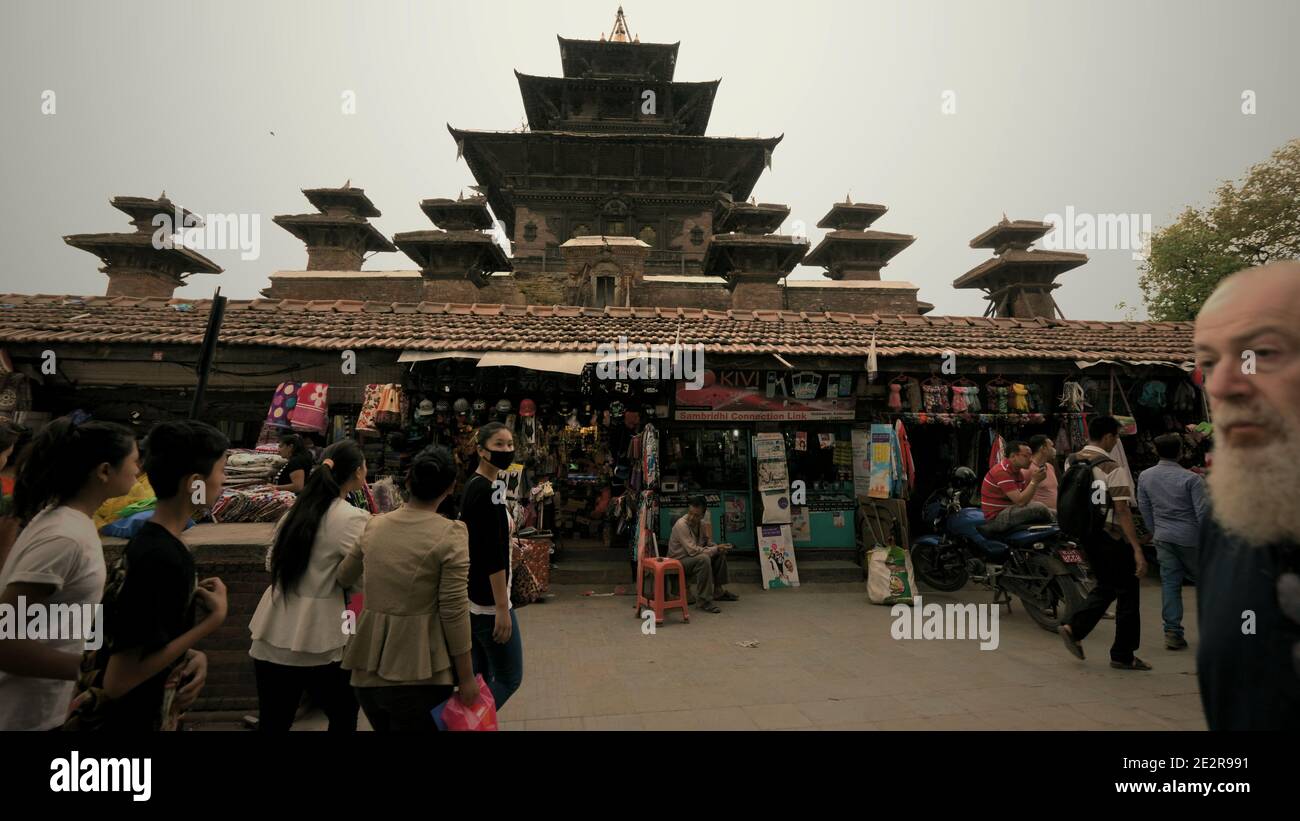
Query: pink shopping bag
453	715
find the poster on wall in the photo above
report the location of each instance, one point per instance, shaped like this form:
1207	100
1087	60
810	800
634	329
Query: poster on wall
776	557
769	454
801	524
861	462
882	455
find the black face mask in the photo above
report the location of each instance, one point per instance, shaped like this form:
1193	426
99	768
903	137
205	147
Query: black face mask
501	459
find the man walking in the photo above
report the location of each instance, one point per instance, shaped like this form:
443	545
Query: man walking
1173	504
1114	554
705	564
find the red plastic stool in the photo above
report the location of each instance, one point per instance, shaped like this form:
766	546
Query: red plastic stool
659	602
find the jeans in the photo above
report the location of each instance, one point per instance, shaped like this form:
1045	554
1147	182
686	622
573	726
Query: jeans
1116	569
280	688
1176	563
501	665
403	708
1032	513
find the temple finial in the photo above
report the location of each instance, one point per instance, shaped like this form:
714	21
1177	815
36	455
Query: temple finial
620	34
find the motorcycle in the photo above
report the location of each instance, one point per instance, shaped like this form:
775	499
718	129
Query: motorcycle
1037	564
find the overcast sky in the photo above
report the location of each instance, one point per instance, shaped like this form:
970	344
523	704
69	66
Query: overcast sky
1104	107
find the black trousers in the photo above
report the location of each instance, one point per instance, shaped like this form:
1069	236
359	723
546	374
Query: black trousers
280	689
403	708
1114	566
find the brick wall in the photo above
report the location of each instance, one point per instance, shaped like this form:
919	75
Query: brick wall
359	287
681	295
230	685
852	300
543	288
140	283
754	296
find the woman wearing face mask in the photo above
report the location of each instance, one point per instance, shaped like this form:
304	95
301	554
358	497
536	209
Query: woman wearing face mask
497	648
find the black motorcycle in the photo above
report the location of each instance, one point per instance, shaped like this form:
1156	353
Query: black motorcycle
1037	564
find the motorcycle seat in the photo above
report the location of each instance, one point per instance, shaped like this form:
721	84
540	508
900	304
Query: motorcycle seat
1032	533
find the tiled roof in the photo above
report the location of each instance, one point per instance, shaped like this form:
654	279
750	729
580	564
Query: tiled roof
342	325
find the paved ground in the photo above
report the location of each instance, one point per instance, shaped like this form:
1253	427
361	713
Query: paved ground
826	660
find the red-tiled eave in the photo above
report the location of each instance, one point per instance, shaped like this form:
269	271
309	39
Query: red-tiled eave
354	324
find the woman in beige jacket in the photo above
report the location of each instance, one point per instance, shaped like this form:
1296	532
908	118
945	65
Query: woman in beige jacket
412	642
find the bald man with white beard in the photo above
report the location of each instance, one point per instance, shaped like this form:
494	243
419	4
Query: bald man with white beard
1248	591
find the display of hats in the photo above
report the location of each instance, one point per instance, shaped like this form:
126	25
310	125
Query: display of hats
442	406
425	408
649	411
566	407
527	408
461	405
615	408
504	406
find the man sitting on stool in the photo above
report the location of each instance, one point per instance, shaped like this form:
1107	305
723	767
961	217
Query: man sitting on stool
705	564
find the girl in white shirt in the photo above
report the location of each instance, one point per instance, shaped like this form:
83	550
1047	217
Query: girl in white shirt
65	475
298	627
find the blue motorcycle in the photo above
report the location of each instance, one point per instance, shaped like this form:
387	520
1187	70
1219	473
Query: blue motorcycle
1037	564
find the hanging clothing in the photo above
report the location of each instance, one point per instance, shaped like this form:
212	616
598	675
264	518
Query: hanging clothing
905	454
914	401
995	455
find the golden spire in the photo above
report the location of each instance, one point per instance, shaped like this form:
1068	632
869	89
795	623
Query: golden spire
620	34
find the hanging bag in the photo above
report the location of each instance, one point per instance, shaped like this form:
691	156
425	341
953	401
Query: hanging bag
1127	424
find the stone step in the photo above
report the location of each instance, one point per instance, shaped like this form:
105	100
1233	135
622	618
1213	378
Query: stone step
592	572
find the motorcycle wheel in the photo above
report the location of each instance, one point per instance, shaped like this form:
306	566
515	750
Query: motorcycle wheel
1064	592
939	568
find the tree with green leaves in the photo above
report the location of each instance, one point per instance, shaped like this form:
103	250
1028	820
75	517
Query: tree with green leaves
1251	223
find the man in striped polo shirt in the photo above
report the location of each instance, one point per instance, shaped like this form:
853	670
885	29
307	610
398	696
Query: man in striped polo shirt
1008	500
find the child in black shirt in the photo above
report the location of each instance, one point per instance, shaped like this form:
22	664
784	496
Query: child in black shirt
154	610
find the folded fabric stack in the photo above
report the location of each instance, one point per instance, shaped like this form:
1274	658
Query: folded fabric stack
246	468
258	503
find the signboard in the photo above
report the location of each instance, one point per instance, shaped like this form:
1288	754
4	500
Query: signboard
861	462
741	396
776	556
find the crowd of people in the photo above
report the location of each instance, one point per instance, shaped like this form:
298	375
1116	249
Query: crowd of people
437	615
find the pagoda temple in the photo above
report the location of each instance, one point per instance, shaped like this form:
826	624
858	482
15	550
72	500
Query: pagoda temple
615	148
1018	281
137	263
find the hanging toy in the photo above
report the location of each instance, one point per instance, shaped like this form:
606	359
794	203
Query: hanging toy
1020	400
1072	397
895	396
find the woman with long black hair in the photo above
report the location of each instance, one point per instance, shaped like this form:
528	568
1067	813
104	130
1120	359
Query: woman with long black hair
498	648
67	472
297	630
293	476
